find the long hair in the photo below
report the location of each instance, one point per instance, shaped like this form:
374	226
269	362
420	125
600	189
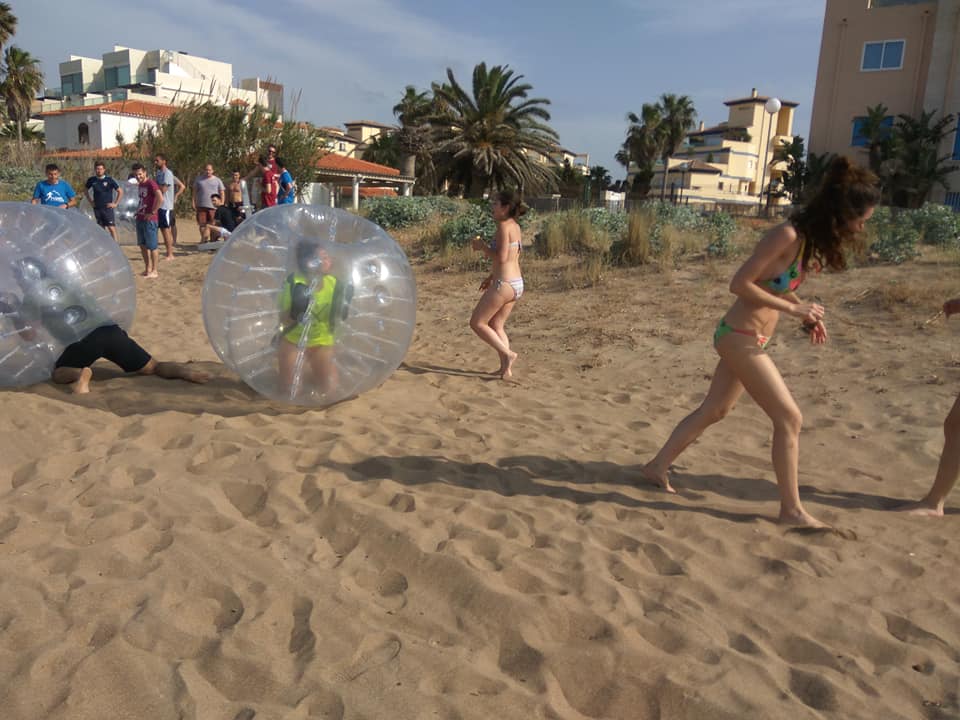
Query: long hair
826	222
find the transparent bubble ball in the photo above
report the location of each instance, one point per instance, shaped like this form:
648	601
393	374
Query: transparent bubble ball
124	215
310	305
61	277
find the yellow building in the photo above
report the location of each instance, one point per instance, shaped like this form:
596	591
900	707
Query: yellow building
727	165
904	54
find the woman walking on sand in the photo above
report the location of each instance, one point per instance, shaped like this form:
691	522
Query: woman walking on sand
765	285
504	285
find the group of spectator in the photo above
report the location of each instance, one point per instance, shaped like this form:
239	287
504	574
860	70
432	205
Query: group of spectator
219	208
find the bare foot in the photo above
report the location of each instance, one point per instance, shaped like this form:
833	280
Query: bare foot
145	273
507	372
800	518
154	274
81	386
169	257
921	509
195	376
649	476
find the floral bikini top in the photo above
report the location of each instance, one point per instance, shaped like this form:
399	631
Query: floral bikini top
790	279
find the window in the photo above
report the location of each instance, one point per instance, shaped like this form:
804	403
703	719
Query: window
882	55
116	76
956	145
858	139
83	134
71	84
953	200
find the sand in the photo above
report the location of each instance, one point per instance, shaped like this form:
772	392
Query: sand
453	546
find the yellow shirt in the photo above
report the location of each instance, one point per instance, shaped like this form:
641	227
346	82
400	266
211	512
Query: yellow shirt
316	325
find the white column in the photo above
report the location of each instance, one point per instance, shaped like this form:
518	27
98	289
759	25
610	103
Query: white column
356	192
407	189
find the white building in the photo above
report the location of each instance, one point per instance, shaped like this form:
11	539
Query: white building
129	88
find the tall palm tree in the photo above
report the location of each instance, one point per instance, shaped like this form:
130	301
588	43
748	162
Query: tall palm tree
916	165
384	149
8	23
496	136
642	146
678	115
23	81
413	113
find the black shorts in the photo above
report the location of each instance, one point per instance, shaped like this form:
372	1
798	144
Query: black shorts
164	219
104	217
110	342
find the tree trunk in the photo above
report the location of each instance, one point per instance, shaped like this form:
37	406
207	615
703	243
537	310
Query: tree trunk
19	136
408	166
663	186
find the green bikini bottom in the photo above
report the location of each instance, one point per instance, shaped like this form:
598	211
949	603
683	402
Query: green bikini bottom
724	329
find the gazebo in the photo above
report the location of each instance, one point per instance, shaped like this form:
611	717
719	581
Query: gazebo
333	168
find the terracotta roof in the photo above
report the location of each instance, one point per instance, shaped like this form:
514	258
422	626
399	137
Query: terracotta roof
759	99
339	163
136	108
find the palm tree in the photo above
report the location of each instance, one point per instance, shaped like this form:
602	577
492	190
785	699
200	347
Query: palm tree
496	136
23	81
413	112
876	131
600	177
642	147
8	23
678	115
794	178
915	164
384	149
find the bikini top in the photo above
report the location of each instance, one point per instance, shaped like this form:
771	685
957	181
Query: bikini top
790	279
493	245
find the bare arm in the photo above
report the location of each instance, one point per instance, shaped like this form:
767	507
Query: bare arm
746	282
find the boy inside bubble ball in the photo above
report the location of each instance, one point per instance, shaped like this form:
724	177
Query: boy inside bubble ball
309	303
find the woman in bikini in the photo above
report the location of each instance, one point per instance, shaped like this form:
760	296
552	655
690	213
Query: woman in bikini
816	236
504	285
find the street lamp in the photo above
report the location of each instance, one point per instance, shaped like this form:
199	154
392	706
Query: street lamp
772	107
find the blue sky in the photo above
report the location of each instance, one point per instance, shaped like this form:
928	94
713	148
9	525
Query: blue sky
351	60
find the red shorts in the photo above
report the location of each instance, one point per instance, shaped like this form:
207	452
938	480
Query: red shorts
205	216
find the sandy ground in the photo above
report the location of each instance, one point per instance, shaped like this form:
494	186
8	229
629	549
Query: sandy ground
453	546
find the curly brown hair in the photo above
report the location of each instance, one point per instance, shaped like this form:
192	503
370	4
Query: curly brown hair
826	222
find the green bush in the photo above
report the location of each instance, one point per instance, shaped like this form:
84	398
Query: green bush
474	220
893	236
394	213
937	224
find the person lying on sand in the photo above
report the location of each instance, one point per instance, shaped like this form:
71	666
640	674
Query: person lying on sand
109	341
765	286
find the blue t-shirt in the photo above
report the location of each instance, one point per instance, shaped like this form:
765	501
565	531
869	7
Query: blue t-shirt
285	179
56	195
102	190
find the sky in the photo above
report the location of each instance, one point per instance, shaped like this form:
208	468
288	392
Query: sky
594	61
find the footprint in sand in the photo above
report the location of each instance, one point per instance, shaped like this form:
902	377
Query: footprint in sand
374	650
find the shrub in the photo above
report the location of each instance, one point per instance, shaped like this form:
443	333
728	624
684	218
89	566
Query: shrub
893	237
937	224
394	213
474	220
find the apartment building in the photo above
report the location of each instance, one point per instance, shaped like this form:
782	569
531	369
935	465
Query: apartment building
904	54
127	89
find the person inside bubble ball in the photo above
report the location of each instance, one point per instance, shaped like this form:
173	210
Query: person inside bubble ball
307	304
63	317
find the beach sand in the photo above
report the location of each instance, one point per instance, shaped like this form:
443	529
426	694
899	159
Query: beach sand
453	546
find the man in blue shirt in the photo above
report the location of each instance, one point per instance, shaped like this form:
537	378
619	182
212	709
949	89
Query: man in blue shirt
100	193
53	191
287	189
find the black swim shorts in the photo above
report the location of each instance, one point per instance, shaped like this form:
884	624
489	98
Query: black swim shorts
110	342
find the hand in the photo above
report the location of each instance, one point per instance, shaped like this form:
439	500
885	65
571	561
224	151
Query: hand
486	283
477	243
808	312
951	307
111	205
818	332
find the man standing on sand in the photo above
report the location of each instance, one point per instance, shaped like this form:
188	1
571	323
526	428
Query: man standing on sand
150	201
164	178
234	199
53	191
204	186
100	194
